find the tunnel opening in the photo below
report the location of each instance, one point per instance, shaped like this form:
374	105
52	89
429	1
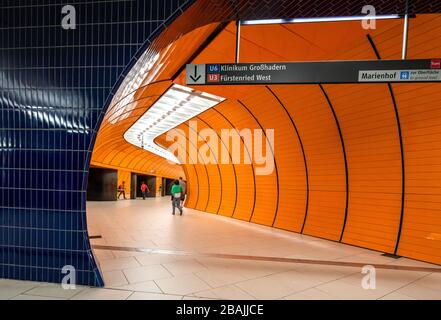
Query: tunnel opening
102	184
340	176
346	174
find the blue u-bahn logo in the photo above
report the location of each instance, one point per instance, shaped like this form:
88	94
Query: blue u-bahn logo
404	75
213	68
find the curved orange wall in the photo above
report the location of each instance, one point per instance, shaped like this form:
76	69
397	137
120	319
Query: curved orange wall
344	154
111	150
337	148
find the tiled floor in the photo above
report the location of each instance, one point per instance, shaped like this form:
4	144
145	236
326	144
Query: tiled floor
149	224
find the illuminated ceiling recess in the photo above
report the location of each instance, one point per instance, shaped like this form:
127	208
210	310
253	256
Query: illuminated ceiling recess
319	19
177	105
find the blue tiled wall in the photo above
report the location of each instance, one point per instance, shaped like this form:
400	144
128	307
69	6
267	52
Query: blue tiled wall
55	85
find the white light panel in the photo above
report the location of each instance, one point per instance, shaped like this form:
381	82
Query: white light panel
320	19
177	105
130	85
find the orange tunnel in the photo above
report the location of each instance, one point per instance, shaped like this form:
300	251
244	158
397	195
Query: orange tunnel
355	163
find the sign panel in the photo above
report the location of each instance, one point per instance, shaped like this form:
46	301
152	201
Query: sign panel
421	70
399	75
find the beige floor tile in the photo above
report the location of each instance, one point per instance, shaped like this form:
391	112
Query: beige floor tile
205	294
103	254
219	264
102	294
114	278
432	281
124	254
99	241
54	291
420	292
142	274
182	285
266	288
386	279
12	288
118	263
225	293
147	286
219	278
153	296
257	269
184	267
414	263
370	257
28	297
328	254
309	294
295	280
344	291
396	296
152	259
325	273
195	298
148	223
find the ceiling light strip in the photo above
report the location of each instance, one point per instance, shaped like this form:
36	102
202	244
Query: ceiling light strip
177	105
319	19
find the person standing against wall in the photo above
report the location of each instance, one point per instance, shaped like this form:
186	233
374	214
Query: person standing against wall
176	192
122	190
183	185
144	189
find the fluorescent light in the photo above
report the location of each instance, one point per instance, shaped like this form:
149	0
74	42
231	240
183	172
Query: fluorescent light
319	19
130	85
177	105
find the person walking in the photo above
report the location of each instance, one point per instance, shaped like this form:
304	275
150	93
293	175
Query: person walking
183	185
176	192
144	189
122	190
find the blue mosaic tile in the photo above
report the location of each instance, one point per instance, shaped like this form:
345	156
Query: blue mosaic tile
54	85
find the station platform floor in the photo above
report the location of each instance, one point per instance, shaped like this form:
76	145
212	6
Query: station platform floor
145	252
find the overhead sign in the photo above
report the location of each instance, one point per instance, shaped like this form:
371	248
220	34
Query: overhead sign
421	70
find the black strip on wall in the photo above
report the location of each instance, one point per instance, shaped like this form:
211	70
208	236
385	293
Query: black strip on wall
303	153
272	151
403	170
205	167
231	161
249	155
344	157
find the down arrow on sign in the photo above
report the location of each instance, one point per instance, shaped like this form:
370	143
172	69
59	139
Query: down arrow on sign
196	77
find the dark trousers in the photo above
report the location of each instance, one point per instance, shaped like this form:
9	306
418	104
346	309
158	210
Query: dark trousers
143	194
122	193
176	202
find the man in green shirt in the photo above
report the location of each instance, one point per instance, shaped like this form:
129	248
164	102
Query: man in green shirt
176	192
